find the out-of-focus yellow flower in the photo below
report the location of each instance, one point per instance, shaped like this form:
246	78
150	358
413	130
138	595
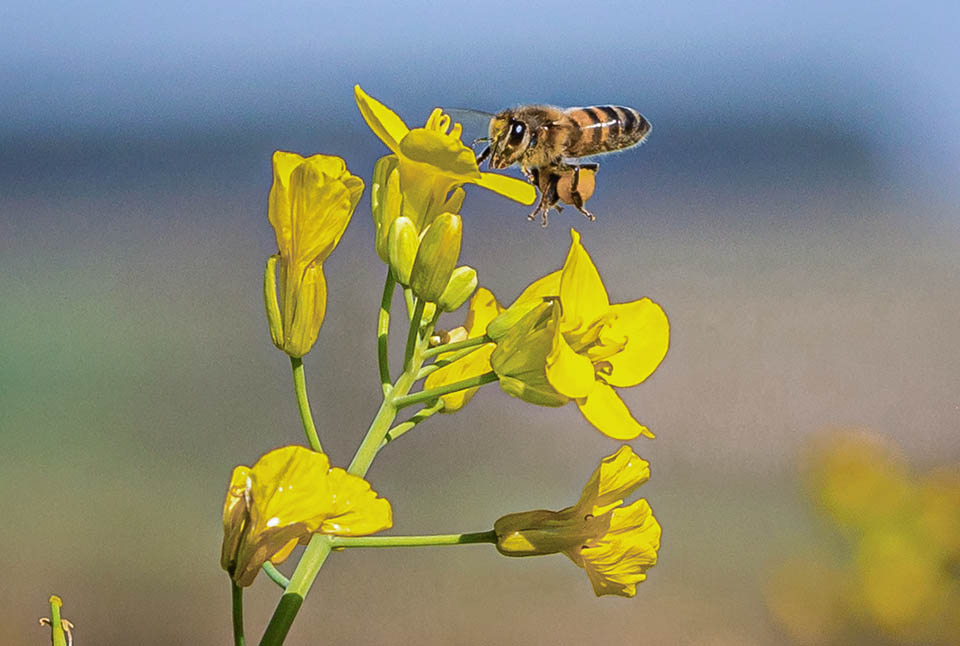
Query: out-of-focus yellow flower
290	494
423	176
614	544
483	309
902	584
562	340
311	203
860	480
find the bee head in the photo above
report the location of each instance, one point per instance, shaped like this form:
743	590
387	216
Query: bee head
509	138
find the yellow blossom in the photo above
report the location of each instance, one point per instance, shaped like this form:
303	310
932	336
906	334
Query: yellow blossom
613	543
290	494
311	203
483	309
423	176
563	340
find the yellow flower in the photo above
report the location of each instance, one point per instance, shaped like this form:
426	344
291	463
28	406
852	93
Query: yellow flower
562	340
290	494
614	544
311	203
423	176
483	309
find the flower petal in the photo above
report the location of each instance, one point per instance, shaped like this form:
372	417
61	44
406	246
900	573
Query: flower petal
570	373
445	154
307	312
609	415
382	120
234	516
646	331
511	187
617	562
582	293
355	508
615	479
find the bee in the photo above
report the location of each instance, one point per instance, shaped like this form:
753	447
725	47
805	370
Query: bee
546	143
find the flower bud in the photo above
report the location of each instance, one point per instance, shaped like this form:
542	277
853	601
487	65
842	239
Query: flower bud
386	201
462	284
402	243
437	257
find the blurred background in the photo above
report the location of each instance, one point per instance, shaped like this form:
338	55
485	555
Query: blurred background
794	212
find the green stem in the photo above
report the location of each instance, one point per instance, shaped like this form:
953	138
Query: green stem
57	636
318	549
402	428
459	345
414	541
237	614
276	575
313	557
300	386
414	333
383	329
446	389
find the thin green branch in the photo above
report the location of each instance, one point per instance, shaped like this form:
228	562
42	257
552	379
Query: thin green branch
446	389
237	614
413	335
383	329
421	415
459	345
276	575
414	541
300	386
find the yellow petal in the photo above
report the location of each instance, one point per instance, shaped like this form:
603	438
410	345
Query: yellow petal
308	310
473	365
483	309
609	415
646	332
444	153
382	120
617	562
511	187
582	293
616	477
570	373
320	211
355	508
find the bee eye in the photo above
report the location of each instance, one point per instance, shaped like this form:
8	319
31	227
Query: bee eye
517	129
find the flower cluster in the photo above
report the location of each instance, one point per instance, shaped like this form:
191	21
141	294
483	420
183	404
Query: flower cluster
561	340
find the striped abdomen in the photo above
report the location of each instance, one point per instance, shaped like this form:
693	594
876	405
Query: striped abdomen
605	128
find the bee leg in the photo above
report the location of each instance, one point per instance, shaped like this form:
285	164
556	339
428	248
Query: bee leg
575	194
548	197
483	155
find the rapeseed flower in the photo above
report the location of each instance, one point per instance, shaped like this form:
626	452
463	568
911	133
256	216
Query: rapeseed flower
424	175
563	340
614	544
311	203
290	494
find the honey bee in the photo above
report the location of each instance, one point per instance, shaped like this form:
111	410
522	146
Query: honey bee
546	143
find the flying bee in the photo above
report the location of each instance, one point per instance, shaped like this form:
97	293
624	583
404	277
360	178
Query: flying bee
546	142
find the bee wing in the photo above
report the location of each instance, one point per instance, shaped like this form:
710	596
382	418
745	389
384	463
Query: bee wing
475	123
